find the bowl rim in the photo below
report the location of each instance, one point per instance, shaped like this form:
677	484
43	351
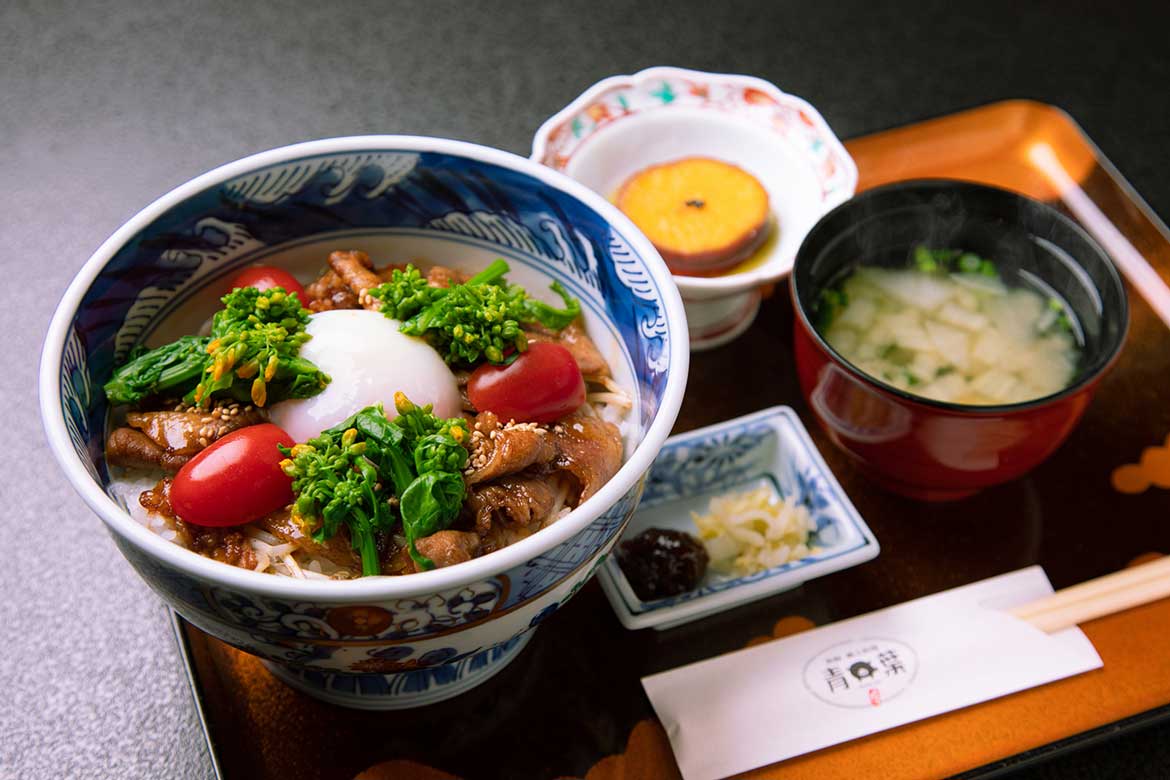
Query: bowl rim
708	286
1086	380
364	589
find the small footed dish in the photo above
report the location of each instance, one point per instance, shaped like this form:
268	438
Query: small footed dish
625	124
769	449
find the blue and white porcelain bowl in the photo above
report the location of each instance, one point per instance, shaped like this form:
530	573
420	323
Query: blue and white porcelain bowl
382	642
769	449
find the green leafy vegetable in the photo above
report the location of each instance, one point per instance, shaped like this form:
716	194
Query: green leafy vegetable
173	368
831	301
251	356
336	483
969	262
433	499
477	320
405	295
896	354
350	473
1055	318
255	339
951	261
925	260
430	504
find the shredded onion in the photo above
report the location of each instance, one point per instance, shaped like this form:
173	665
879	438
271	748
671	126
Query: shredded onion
753	530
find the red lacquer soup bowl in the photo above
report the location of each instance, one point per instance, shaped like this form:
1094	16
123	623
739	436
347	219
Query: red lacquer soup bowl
932	449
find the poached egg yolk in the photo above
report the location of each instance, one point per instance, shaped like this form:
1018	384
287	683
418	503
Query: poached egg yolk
367	360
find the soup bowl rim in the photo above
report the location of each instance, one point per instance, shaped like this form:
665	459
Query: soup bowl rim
1085	378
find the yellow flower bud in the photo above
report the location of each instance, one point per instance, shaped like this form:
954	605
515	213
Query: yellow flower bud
259	391
219	367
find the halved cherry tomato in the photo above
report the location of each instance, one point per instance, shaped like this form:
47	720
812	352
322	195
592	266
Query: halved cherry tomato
265	277
235	480
542	385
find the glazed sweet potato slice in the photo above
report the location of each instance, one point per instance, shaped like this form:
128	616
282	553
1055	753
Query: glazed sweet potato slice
702	215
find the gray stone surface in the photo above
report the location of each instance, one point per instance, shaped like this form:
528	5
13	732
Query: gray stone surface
105	106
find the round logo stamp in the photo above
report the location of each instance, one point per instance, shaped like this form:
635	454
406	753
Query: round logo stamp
861	672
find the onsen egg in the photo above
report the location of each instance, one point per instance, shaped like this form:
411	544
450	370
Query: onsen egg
367	360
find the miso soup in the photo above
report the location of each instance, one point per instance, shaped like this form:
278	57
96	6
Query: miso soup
949	329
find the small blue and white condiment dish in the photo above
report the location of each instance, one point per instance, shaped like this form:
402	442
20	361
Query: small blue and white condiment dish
770	448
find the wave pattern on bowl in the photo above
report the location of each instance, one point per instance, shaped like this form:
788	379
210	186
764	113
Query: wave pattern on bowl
362	191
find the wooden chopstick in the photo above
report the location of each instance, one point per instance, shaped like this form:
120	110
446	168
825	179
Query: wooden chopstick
1103	596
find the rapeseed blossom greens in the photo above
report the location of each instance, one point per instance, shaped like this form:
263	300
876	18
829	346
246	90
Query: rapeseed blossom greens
474	321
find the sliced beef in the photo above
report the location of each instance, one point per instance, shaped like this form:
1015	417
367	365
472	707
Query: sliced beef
227	545
135	450
336	549
513	469
357	271
158	499
188	432
447	548
518	501
498	450
169	439
330	292
590	449
577	341
441	276
221	544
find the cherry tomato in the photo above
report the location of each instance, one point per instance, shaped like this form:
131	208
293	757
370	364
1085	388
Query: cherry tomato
542	385
235	480
264	277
